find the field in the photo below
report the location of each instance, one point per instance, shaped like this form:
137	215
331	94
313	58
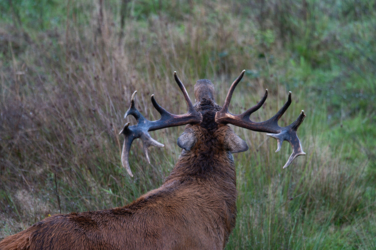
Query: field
68	69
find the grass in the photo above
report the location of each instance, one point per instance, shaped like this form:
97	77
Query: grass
68	69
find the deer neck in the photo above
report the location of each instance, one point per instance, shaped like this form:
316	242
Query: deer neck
205	163
212	174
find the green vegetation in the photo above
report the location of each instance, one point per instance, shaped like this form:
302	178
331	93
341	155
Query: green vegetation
68	68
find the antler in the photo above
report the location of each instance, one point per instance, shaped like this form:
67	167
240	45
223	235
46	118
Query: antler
144	125
287	133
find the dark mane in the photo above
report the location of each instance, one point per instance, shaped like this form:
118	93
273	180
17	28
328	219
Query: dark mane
208	108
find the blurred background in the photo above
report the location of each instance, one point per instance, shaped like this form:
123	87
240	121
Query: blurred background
68	69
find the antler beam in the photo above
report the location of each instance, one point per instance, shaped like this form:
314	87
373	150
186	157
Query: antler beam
143	126
270	126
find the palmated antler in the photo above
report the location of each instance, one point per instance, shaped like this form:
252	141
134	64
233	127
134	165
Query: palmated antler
144	125
287	133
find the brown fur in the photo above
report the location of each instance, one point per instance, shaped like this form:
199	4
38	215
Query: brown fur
195	208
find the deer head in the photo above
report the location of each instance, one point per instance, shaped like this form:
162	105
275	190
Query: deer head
206	114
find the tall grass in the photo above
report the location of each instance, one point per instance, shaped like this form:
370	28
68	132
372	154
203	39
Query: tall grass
66	85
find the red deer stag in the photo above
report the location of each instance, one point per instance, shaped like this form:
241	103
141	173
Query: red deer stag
195	208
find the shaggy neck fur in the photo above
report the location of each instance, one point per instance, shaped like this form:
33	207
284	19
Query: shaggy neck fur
208	158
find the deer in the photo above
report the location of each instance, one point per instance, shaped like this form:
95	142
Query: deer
195	207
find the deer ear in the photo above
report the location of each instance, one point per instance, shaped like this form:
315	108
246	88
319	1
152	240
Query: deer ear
187	140
235	144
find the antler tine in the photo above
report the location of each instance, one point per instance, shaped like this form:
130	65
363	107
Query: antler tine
271	126
248	112
295	125
132	109
292	137
134	132
148	142
283	109
185	93
141	130
126	147
160	110
230	91
124	128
